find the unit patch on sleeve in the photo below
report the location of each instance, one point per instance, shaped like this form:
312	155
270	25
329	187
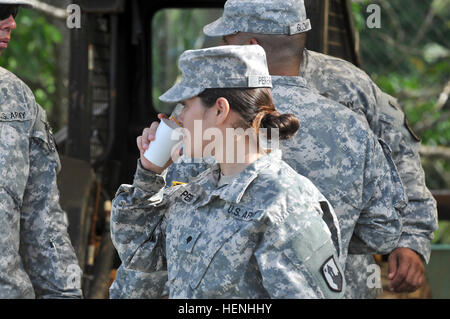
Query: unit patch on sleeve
332	275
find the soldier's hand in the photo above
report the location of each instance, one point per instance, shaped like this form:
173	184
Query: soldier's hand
143	142
405	270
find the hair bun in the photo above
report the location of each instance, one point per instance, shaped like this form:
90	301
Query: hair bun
288	124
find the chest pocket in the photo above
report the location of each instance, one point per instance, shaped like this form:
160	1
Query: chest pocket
42	134
203	246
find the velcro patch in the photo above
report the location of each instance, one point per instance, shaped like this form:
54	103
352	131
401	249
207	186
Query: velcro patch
332	275
240	212
13	116
187	197
300	27
259	81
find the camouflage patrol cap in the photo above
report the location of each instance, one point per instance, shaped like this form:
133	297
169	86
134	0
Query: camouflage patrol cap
230	66
22	3
260	16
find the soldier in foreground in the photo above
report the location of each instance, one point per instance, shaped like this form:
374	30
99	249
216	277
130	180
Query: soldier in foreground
266	23
339	154
247	228
37	257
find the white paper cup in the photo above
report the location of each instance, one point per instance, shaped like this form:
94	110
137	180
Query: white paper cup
159	150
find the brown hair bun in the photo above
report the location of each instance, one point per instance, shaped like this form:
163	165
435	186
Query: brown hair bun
288	124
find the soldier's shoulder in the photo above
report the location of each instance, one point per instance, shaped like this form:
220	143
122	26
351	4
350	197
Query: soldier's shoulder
15	95
346	69
283	188
9	78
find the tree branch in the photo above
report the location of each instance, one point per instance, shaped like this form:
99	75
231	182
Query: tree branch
435	152
442	101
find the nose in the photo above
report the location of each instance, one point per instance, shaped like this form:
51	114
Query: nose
9	23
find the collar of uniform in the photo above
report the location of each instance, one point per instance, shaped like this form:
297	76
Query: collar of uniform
234	191
304	65
288	80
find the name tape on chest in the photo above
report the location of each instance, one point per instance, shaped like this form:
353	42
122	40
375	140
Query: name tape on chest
240	212
187	197
13	116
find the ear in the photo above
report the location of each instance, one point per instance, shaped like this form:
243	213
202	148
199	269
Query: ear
221	109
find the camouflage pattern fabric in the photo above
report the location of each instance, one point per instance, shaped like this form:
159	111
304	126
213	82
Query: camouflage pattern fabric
342	157
343	82
260	16
38	259
133	284
261	236
21	3
232	66
335	150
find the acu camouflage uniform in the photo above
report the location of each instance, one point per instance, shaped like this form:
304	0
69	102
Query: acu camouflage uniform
37	258
342	157
341	81
261	236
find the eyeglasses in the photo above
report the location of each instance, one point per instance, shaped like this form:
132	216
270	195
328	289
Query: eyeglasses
7	10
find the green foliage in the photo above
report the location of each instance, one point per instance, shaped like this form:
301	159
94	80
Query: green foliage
409	58
30	54
173	32
442	235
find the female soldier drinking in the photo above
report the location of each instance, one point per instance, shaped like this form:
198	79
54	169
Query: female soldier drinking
249	227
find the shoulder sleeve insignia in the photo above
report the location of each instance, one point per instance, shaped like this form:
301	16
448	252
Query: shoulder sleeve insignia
332	275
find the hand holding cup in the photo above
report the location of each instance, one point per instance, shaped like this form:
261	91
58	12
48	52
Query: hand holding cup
155	146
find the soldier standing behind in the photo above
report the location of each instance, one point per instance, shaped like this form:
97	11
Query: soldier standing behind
246	22
37	257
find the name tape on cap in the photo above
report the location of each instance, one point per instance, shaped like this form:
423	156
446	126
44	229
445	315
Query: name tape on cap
300	27
259	81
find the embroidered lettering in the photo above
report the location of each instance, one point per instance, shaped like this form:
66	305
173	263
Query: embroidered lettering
12	116
187	197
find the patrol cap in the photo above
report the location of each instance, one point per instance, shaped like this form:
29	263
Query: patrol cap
22	3
230	66
260	16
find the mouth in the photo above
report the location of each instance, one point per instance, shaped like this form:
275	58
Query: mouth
4	43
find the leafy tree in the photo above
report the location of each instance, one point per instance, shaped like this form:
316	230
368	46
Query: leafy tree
30	54
408	57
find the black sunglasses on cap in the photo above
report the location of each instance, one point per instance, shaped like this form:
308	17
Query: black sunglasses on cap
7	10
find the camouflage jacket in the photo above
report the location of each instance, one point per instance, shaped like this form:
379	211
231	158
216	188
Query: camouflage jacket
38	259
342	157
347	163
341	81
262	236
